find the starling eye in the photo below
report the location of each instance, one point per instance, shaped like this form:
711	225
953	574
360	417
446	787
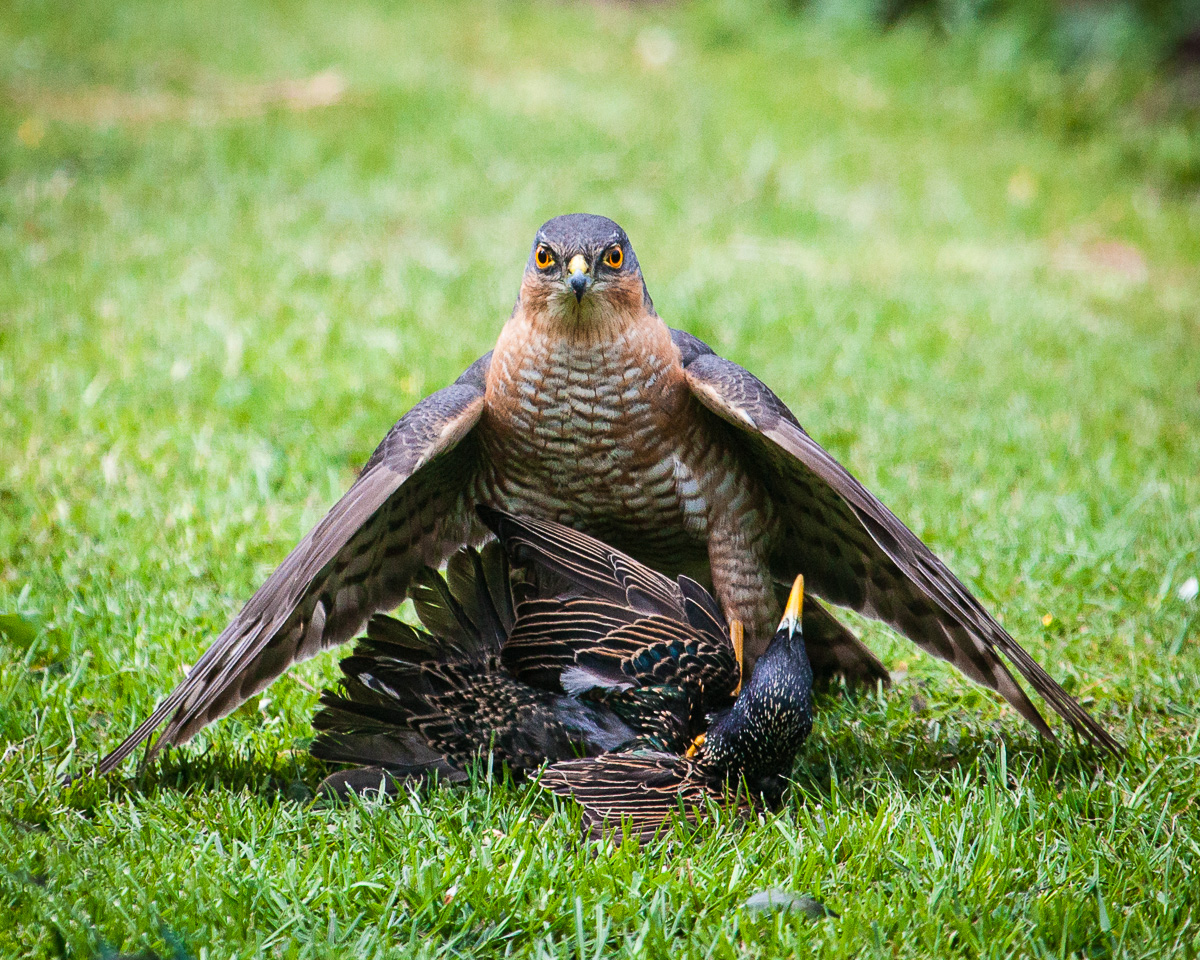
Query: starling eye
614	257
543	257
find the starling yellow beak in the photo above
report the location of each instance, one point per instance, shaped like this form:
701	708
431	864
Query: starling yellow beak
579	277
795	607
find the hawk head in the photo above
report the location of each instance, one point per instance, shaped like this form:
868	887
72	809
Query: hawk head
583	270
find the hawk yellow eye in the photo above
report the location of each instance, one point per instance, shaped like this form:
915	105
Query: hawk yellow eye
543	257
614	257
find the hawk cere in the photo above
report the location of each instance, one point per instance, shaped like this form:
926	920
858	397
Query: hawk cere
592	413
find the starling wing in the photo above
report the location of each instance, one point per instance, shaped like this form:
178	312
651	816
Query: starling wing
586	565
412	702
619	623
409	507
854	552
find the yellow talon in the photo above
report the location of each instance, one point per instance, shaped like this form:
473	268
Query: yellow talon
737	634
696	745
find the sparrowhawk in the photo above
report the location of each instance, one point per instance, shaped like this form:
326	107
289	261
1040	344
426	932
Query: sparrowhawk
591	412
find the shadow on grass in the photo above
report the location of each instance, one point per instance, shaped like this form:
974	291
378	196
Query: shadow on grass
290	775
864	742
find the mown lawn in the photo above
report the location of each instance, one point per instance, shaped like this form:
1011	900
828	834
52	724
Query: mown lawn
237	241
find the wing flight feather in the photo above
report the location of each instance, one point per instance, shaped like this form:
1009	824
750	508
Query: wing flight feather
408	508
854	551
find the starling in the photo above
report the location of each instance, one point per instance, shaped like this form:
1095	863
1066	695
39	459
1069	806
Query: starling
571	650
747	751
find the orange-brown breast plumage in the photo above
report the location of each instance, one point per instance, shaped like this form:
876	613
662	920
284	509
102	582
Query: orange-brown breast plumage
589	421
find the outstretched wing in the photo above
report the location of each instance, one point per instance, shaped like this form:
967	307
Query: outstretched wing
409	507
854	552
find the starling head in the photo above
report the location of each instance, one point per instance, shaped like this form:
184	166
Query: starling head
757	739
786	672
582	271
790	630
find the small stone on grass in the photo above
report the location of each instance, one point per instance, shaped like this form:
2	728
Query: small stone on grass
776	900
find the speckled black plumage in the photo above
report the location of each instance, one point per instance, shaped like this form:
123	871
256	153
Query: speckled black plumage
571	651
757	739
748	751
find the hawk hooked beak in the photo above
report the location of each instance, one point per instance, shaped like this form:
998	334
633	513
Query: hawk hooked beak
578	276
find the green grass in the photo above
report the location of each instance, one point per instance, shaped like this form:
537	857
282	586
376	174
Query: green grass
216	294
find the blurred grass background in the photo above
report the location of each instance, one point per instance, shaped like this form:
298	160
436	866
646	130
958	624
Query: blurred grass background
238	240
